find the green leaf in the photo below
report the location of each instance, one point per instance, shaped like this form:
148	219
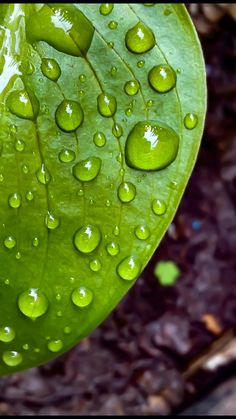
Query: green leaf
96	151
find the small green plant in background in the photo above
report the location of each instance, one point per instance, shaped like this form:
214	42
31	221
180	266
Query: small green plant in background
102	112
167	272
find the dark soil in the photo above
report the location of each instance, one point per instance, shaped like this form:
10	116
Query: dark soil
136	361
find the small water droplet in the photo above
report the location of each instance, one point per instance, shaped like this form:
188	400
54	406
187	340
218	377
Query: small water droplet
110	44
162	78
81	92
108	203
58	297
106	105
106	8
126	192
82	296
30	69
66	155
59	313
128	112
50	69
113	248
158	207
151	145
25	169
1	177
25	346
190	120
149	103
80	192
140	64
140	38
112	24
99	139
33	303
88	169
55	345
10	242
7	334
142	232
19	145
51	222
117	130
95	265
15	200
131	87
87	238
82	78
35	241
12	358
18	255
69	115
29	196
67	330
129	268
43	175
23	104
113	71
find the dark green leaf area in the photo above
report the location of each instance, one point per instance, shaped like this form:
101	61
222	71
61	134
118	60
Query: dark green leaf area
102	112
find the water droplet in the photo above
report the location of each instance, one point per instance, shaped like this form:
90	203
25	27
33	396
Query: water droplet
149	103
69	115
87	169
167	12
29	196
66	155
19	145
50	69
82	78
113	249
140	64
1	177
113	71
35	241
7	282
18	255
33	303
25	169
10	242
131	87
108	203
55	345
58	297
12	358
67	330
129	268
23	103
25	347
158	207
116	231
43	175
106	8
95	265
106	105
59	313
81	92
51	222
110	44
112	24
126	192
7	334
128	112
117	130
140	39
162	78
151	145
14	200
142	232
99	139
190	120
87	238
30	69
82	296
80	192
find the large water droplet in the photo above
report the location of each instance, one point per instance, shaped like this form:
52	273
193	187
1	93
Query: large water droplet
162	78
126	192
7	334
55	345
87	169
69	115
10	242
14	200
82	297
50	69
106	8
158	207
131	87
113	248
12	358
43	175
33	303
23	103
99	139
140	38
190	120
106	105
151	146
87	238
66	156
142	232
129	268
51	222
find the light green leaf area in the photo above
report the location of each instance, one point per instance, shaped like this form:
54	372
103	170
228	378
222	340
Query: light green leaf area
102	112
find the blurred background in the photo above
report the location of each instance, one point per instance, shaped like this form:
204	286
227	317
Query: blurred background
170	346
